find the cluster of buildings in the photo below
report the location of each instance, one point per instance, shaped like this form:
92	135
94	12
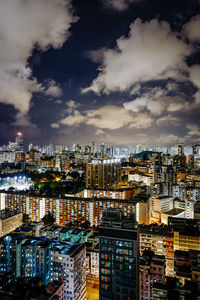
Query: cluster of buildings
135	227
14	158
47	259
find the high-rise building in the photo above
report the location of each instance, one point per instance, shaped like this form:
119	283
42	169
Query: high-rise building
65	210
118	257
186	233
160	240
181	150
19	142
49	260
172	289
151	269
104	174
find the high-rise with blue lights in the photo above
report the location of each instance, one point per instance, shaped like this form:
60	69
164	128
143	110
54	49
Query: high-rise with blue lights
49	260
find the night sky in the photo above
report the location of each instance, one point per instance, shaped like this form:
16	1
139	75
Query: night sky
122	72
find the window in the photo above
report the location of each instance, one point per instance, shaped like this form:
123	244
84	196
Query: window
120	243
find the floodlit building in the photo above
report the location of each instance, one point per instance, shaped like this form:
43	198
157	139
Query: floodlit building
9	220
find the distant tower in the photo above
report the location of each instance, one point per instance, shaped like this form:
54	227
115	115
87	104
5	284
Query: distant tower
181	155
180	150
19	142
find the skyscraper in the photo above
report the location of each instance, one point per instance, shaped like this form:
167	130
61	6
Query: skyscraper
19	142
118	259
103	174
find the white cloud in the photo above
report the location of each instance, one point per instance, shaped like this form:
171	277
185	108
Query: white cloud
156	103
55	125
25	25
150	52
168	139
58	101
73	120
176	106
109	116
99	132
136	105
96	55
191	29
168	119
72	105
193	129
118	4
195	75
141	120
53	89
197	97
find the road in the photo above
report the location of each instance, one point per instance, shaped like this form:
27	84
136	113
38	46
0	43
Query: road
92	289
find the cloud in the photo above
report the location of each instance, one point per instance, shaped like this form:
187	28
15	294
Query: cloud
168	139
142	120
193	129
195	75
156	104
150	52
72	105
99	132
163	121
73	120
24	124
191	29
119	5
58	101
109	116
96	55
53	89
55	125
25	25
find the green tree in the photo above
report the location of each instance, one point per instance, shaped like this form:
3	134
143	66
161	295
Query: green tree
48	219
25	218
85	225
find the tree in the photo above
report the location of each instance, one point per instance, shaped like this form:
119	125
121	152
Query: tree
25	218
48	219
85	225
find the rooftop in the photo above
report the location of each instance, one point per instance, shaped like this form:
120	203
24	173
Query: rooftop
62	247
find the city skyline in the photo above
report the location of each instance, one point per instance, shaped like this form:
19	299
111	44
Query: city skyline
119	72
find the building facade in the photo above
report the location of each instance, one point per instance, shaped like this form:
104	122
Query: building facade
118	257
64	210
49	260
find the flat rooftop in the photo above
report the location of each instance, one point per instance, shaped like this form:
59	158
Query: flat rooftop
62	247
